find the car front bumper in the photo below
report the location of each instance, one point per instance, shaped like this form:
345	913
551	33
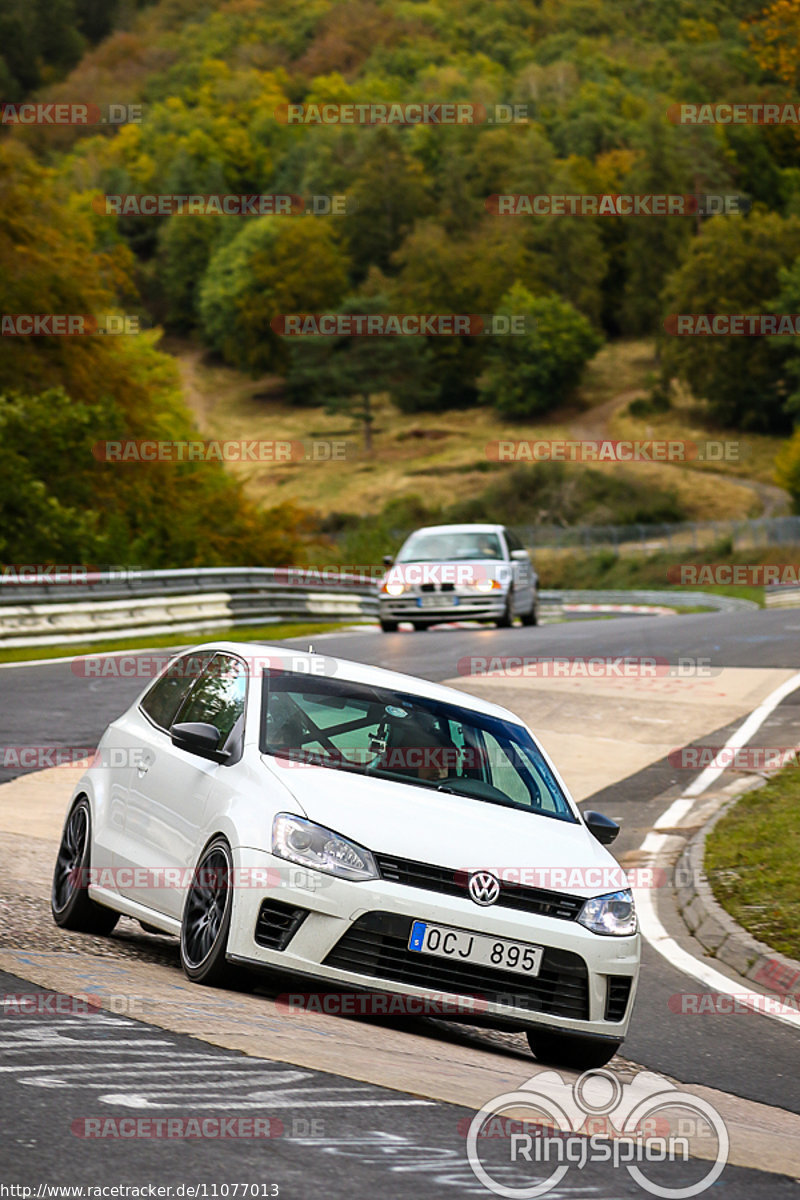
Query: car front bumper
443	606
355	934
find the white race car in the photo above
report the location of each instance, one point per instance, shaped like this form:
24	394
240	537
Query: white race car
369	830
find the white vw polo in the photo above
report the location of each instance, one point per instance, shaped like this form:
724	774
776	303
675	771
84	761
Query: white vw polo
365	829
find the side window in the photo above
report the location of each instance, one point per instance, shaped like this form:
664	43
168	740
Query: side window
220	695
168	692
506	776
513	541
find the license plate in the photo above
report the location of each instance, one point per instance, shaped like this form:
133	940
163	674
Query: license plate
460	946
437	601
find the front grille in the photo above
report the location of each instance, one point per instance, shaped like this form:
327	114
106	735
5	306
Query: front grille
377	945
617	996
437	587
539	901
278	923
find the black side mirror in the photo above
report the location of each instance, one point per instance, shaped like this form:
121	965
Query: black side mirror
388	560
198	737
603	828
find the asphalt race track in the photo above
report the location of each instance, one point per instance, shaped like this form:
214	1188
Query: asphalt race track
334	1135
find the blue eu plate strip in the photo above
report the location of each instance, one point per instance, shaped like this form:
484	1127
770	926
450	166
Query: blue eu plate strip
417	935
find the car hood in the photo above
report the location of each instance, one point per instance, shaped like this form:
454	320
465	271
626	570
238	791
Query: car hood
452	831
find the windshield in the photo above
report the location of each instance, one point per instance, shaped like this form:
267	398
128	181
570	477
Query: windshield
450	547
409	739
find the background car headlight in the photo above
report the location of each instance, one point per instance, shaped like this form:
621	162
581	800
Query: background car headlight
487	585
393	589
315	846
613	914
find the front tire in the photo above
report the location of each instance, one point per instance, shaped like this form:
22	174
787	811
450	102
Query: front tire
69	895
571	1050
389	626
207	918
506	620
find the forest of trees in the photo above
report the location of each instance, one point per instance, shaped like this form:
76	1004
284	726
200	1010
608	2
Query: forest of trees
596	79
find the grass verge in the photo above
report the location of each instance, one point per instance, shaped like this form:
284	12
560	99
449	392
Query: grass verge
255	633
751	862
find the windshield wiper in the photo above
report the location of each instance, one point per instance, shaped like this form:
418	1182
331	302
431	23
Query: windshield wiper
446	787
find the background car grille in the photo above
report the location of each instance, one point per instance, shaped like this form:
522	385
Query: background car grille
377	945
617	996
278	923
454	883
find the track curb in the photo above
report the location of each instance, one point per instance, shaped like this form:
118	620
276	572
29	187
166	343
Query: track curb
716	930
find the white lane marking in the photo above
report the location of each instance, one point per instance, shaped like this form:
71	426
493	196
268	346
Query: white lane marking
25	1068
84	1043
653	931
306	1099
125	1070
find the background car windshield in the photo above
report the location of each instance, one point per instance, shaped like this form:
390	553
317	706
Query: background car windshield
449	547
409	739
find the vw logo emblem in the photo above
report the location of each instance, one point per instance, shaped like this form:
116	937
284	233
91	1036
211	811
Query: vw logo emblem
484	888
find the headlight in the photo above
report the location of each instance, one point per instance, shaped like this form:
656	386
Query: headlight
315	846
393	589
487	585
613	914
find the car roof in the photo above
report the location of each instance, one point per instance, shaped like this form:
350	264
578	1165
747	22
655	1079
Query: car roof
362	673
465	528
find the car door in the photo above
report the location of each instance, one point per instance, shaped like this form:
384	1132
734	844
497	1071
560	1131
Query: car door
165	813
126	751
522	573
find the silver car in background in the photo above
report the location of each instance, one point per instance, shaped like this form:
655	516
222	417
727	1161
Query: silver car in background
458	572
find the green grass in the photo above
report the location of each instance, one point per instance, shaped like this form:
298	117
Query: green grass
255	633
604	568
751	862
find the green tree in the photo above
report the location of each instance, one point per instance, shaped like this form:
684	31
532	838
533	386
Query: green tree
733	267
345	373
274	266
535	371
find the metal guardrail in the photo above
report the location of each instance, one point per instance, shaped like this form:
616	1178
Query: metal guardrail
150	603
782	596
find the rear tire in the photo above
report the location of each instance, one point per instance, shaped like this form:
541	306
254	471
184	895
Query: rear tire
69	895
532	617
572	1050
420	626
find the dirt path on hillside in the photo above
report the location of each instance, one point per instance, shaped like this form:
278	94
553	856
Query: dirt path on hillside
593	425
